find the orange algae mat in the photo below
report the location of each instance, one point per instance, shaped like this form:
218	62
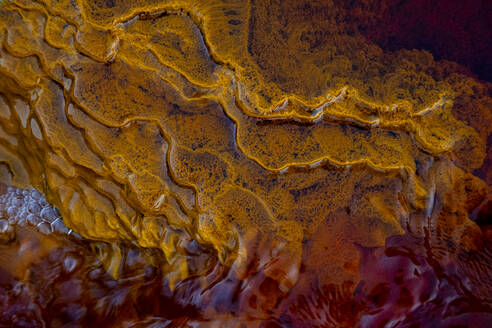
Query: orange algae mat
237	163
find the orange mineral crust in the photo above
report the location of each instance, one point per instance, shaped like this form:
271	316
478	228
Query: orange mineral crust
237	163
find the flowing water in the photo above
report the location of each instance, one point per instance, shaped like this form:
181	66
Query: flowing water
243	163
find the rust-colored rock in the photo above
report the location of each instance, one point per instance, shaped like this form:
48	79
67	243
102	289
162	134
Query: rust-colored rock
237	162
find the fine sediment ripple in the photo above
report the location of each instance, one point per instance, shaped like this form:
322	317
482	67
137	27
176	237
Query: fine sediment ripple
271	138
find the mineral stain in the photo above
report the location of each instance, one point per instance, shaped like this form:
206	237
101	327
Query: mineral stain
229	163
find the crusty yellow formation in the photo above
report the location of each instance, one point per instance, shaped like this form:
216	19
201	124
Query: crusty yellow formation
248	126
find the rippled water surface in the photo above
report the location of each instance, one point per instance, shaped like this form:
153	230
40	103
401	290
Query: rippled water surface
245	163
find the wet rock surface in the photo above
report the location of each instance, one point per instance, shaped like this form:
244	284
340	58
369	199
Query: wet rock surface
229	162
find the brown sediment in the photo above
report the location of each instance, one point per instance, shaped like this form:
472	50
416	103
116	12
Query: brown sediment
271	139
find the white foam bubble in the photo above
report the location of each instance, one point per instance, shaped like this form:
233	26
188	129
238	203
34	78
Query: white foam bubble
29	207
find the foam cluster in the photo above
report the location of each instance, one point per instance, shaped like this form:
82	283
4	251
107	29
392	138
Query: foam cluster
20	207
